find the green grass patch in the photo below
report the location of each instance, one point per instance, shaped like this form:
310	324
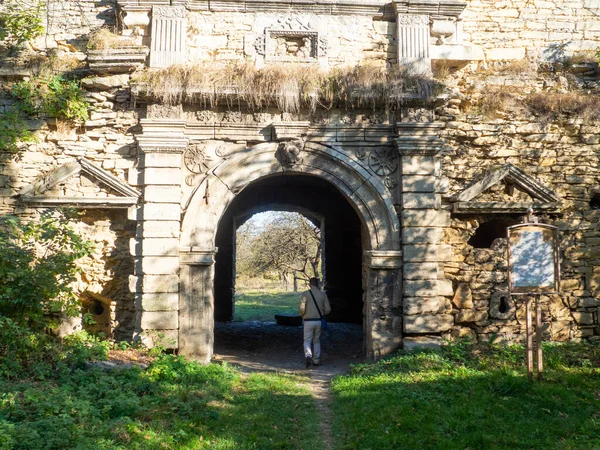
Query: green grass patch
262	306
174	404
471	397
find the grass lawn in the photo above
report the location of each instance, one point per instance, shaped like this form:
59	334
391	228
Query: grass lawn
471	398
262	306
173	405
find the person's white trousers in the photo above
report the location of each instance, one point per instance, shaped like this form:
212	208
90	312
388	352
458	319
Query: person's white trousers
312	333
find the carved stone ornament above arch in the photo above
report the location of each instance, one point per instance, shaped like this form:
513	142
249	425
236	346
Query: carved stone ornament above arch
364	191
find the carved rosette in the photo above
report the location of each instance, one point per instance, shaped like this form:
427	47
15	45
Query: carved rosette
383	161
197	159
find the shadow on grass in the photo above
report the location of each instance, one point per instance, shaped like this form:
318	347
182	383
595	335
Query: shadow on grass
174	404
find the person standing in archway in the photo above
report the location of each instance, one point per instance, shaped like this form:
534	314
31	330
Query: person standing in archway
314	304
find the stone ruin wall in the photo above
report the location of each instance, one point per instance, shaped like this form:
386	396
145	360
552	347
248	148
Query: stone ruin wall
562	155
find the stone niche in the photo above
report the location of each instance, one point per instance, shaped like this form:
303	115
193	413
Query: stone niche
288	39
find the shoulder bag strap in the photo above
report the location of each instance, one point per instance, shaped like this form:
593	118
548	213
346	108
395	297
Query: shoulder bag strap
313	297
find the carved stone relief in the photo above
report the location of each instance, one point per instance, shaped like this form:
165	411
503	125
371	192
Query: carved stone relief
289	153
205	116
383	161
161	111
421	115
197	159
291	39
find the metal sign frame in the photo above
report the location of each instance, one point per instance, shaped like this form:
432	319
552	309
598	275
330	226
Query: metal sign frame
547	247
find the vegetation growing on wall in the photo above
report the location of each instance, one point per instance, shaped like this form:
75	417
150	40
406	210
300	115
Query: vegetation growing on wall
53	96
103	39
45	96
290	88
21	21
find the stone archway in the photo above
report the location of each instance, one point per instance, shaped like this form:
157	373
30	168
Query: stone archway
365	193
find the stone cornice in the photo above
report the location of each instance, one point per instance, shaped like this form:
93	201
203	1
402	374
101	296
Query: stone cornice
375	8
435	8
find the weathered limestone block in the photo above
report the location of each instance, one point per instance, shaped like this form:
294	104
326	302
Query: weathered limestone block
162	160
589	302
162	194
419	165
583	318
162	176
157	302
420	288
419	201
500	54
421	235
161	211
154	283
158	229
160	247
427	253
425	218
423	305
428	323
158	265
593	282
158	320
421	252
106	83
463	298
470	316
418	183
420	271
445	288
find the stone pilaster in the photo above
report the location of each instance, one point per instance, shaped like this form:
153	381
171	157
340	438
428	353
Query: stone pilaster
423	222
383	316
413	42
169	28
156	247
196	314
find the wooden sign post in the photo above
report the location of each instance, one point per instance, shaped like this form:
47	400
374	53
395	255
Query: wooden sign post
533	270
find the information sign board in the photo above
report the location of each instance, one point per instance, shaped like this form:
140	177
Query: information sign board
533	265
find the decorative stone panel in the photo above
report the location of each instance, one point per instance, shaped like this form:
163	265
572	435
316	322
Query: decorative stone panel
169	28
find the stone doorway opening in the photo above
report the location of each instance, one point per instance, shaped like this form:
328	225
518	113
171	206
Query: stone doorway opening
322	179
342	249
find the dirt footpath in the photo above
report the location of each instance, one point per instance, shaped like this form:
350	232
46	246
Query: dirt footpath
268	347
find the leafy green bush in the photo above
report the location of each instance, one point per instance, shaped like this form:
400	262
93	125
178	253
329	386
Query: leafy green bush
21	21
27	353
51	96
37	267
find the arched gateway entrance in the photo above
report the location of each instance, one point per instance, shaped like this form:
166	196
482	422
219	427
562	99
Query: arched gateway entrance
188	187
381	278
